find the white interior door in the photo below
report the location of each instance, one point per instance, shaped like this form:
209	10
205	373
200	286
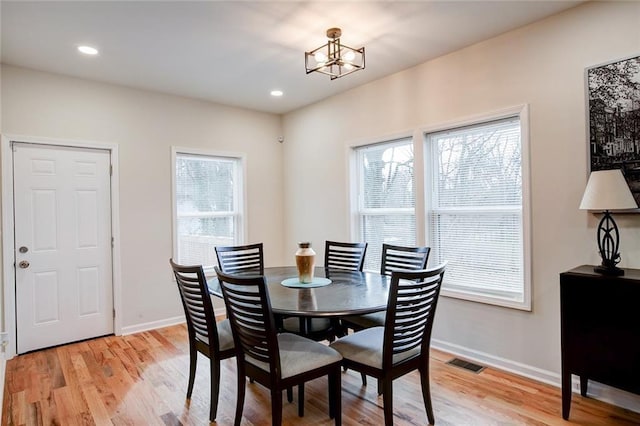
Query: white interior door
62	215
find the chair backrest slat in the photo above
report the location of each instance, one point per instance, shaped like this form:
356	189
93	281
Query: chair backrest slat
194	293
347	256
399	258
252	321
247	259
413	297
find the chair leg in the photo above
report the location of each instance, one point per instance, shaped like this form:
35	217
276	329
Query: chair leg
364	379
215	387
301	400
335	396
241	390
426	395
387	400
193	363
276	407
379	387
341	330
289	394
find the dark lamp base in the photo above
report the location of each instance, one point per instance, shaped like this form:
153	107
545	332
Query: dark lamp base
612	270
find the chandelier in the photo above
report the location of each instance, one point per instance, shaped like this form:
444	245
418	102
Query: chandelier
334	59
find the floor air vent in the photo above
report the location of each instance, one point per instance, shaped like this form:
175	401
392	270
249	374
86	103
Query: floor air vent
457	362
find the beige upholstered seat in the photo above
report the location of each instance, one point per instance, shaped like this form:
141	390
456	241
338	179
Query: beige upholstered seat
224	334
360	322
299	354
365	347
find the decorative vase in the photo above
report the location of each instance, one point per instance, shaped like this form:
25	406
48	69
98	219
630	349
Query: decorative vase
306	262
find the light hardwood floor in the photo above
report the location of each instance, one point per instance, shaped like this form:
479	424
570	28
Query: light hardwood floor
141	379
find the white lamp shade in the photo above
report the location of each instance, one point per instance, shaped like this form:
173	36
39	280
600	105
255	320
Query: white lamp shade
607	190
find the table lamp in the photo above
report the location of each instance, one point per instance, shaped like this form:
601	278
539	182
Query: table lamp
608	190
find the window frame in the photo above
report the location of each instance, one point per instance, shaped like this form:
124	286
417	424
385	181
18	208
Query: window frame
356	191
522	113
240	196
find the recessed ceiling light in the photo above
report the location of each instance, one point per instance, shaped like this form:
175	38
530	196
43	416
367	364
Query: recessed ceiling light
88	50
277	93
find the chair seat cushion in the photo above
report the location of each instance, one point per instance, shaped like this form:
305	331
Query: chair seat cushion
292	324
375	319
365	347
224	334
299	354
225	338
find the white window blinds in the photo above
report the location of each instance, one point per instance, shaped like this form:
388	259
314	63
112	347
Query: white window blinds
475	211
207	197
386	197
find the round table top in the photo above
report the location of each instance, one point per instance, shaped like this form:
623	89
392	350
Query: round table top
349	293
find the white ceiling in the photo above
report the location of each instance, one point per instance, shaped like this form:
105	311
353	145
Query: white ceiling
236	52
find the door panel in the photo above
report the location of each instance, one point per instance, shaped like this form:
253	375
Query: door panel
64	289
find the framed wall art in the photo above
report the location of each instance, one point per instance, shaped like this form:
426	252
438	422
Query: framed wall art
614	119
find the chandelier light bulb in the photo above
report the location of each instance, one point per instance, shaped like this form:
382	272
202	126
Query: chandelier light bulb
349	56
320	57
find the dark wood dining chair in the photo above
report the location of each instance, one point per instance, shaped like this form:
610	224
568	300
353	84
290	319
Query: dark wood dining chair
400	258
349	256
246	259
277	361
212	339
394	258
402	345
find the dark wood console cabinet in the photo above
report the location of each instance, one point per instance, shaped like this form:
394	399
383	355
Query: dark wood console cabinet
600	330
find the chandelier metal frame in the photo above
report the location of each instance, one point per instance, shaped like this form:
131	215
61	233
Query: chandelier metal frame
334	58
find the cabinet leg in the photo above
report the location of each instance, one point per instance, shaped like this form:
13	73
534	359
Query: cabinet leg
584	381
566	395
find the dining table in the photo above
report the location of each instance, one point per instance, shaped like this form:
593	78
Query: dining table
334	292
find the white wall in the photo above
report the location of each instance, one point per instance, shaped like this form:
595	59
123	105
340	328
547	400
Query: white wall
541	65
145	125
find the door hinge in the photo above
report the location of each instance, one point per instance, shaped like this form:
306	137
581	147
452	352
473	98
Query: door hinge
110	170
114	314
111	242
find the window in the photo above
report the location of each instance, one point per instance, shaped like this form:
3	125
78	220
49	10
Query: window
385	197
474	194
208	212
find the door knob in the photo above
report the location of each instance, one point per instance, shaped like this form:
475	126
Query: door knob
24	264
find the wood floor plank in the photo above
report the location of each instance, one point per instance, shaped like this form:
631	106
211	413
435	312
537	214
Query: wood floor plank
96	405
141	379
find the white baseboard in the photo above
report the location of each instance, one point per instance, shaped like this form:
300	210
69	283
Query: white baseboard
595	390
152	325
520	369
137	328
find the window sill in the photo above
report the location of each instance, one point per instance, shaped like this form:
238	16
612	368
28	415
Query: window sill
523	305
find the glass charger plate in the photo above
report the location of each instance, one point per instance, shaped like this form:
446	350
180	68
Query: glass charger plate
295	282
